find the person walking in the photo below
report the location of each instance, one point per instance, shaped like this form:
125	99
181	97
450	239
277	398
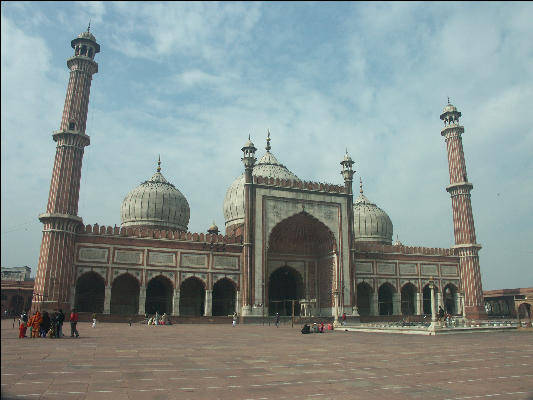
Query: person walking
94	320
343	319
277	320
234	319
73	322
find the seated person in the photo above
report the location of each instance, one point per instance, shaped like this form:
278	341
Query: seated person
306	329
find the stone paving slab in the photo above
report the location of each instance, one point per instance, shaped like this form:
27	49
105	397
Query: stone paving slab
115	361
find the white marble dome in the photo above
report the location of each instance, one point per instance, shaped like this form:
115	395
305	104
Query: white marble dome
157	204
370	223
267	166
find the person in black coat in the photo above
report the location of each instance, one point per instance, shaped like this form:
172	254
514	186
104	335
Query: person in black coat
45	324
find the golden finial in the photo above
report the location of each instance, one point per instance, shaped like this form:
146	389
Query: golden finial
159	163
268	141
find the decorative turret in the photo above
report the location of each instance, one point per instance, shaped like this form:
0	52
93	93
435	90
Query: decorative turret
347	172
463	219
248	158
213	229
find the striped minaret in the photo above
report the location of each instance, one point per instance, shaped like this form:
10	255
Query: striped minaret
463	220
55	274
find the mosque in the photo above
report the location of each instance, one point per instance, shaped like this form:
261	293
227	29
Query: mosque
290	245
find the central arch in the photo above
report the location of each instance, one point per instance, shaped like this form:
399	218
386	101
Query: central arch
159	296
285	284
192	297
311	247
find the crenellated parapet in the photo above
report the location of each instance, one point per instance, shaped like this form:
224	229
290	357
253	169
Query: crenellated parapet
148	233
401	249
298	184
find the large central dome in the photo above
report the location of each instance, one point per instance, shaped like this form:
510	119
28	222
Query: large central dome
156	204
268	166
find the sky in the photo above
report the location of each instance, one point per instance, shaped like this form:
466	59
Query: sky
191	81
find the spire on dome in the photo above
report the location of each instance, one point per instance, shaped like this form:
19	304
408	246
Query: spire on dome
268	141
360	185
89	27
159	164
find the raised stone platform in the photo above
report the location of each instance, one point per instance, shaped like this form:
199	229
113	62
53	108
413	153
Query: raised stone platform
429	331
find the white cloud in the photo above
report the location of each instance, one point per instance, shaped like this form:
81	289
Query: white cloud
190	81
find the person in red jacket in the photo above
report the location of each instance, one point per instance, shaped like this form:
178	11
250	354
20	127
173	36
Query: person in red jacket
73	323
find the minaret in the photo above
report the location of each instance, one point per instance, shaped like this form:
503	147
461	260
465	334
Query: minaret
347	173
55	274
248	160
463	220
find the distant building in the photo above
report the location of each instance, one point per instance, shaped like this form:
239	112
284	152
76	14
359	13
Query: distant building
16	273
509	303
17	290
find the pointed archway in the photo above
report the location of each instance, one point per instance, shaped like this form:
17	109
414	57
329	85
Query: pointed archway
312	248
224	297
192	297
159	296
408	294
285	285
450	296
364	298
385	296
90	293
125	295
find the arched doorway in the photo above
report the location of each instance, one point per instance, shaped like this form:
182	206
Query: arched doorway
310	243
524	311
385	299
125	295
426	300
450	294
285	284
364	298
159	296
408	299
192	297
90	293
223	297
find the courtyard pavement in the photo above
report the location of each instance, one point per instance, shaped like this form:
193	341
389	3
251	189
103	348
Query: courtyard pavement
116	361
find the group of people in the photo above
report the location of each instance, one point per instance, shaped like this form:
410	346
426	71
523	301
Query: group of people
47	325
316	328
158	320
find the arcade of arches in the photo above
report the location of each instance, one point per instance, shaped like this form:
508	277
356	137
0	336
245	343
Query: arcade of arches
301	261
409	301
127	297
